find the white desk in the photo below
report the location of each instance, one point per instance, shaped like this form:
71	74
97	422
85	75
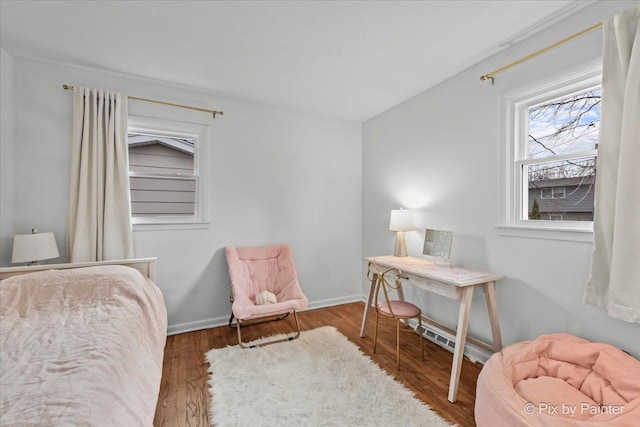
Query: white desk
451	282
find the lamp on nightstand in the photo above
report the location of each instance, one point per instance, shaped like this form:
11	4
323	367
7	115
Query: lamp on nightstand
34	247
401	220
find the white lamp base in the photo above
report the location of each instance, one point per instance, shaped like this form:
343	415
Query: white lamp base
400	248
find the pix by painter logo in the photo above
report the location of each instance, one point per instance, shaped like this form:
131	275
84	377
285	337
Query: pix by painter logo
571	410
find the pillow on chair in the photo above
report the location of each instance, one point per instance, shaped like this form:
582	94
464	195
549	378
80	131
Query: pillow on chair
265	297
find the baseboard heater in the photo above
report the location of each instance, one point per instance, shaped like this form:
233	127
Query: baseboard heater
474	349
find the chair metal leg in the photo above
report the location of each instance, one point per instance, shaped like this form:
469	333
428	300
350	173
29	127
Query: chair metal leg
241	344
257	322
231	319
295	315
375	335
239	334
420	336
397	344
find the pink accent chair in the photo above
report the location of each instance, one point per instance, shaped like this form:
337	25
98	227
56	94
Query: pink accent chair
265	268
396	309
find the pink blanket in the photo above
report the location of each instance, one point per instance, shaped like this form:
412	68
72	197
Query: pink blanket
80	347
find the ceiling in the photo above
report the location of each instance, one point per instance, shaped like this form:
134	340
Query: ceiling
344	59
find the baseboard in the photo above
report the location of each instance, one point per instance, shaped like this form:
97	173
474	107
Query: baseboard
333	301
214	322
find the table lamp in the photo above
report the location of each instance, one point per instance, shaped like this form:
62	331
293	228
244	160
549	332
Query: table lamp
401	220
34	247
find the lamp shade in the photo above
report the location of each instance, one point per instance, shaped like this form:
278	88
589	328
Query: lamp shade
34	247
401	220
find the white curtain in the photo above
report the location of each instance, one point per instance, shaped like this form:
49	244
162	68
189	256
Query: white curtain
99	225
614	284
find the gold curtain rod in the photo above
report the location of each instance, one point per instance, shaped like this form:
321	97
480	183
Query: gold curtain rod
206	110
539	52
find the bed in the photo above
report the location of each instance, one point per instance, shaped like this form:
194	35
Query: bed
81	344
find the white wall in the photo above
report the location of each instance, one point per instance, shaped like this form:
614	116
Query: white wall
6	157
438	153
275	176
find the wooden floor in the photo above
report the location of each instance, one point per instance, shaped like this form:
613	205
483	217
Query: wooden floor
184	397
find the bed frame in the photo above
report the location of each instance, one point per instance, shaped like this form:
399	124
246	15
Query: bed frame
146	266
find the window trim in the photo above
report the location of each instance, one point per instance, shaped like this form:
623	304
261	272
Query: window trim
511	185
199	132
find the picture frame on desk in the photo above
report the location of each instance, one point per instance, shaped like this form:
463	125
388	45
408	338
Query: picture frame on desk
437	245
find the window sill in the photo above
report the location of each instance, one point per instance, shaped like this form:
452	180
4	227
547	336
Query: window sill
549	232
160	225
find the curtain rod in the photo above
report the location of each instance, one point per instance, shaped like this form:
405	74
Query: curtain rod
539	52
206	110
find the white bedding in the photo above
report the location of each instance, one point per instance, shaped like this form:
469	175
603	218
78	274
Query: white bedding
80	347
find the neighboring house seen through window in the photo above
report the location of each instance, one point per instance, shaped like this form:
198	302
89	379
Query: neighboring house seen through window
163	182
166	170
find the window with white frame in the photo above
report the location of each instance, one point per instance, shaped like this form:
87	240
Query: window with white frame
166	168
552	193
551	157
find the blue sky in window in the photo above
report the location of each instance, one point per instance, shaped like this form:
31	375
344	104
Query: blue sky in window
566	125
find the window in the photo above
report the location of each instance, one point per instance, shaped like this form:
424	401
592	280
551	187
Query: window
558	154
166	165
550	152
162	175
551	193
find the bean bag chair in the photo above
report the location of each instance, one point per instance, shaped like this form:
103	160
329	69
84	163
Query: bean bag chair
559	380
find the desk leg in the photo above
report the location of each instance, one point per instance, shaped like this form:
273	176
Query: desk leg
490	296
461	338
365	315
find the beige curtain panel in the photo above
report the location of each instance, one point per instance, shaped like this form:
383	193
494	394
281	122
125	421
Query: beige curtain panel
614	284
99	225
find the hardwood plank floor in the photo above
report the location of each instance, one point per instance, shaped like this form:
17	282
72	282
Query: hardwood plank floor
184	391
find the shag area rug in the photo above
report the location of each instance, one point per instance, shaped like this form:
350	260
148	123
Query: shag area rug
320	379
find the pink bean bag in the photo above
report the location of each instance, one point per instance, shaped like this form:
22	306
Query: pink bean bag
559	380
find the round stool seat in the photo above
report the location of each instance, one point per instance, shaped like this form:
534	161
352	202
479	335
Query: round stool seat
399	308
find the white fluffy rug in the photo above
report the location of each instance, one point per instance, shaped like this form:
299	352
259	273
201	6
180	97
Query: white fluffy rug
320	379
